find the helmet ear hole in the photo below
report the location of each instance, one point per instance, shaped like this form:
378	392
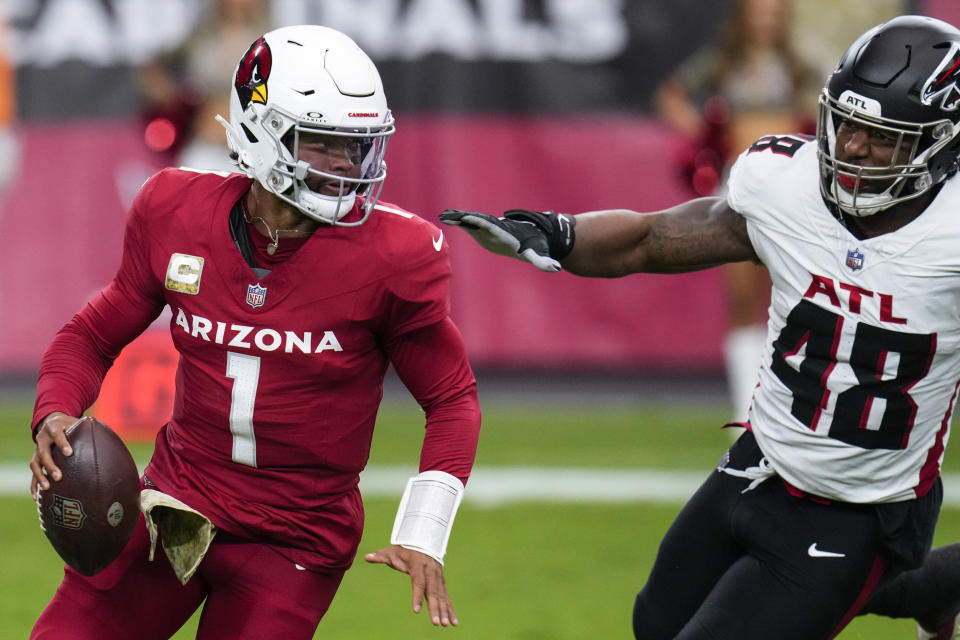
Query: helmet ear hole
246	131
945	163
287	141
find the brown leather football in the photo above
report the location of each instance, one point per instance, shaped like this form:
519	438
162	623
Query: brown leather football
89	515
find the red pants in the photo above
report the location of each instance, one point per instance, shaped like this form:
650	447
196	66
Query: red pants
247	590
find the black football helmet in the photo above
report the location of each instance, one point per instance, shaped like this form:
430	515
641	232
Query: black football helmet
902	79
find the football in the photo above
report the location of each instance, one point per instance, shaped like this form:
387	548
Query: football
89	515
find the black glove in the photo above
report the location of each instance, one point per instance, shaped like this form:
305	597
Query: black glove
540	238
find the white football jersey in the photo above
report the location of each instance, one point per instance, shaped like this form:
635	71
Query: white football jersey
862	362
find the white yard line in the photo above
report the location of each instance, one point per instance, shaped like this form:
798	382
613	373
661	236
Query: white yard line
492	486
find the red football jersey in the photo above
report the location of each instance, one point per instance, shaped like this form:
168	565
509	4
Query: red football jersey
279	378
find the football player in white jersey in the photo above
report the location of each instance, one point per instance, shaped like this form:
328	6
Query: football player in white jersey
835	487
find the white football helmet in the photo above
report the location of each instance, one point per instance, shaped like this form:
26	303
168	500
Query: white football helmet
308	79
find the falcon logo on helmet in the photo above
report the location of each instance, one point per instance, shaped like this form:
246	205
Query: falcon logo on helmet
253	72
943	82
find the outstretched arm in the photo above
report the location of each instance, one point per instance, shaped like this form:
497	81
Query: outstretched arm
697	234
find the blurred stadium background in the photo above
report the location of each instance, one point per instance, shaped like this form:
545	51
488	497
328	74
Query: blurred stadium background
601	399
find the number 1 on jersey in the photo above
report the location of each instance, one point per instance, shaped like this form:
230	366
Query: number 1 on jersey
245	372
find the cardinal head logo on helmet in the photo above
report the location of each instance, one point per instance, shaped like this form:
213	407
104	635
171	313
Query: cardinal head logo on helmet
253	72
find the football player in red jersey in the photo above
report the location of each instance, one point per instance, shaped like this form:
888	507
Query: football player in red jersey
292	288
835	487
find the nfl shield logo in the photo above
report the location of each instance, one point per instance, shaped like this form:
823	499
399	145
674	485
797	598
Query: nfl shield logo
67	512
855	259
256	294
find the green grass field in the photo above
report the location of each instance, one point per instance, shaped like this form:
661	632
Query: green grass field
524	571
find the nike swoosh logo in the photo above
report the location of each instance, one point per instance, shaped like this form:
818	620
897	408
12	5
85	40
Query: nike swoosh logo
438	241
813	552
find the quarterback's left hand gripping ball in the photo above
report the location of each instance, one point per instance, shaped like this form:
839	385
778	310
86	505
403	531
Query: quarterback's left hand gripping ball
89	515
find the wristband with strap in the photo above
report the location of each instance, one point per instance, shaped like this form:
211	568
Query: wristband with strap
557	227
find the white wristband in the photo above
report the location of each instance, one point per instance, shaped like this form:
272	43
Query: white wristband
426	512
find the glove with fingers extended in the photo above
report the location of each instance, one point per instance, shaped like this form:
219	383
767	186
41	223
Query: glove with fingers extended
540	238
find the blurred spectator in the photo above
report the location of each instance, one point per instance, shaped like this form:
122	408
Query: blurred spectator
9	149
750	83
825	28
187	87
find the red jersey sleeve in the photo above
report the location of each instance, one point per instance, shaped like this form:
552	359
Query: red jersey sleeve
417	297
74	364
432	363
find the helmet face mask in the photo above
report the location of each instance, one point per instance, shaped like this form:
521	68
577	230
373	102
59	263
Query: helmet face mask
894	83
297	83
862	190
